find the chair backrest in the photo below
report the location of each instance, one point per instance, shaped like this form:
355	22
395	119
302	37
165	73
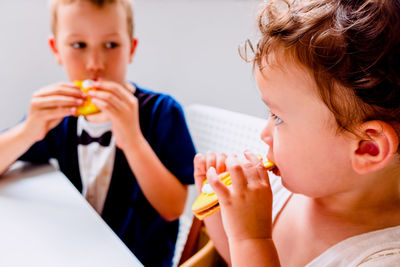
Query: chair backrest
218	130
221	130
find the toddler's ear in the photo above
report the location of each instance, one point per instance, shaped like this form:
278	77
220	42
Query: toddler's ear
54	49
375	148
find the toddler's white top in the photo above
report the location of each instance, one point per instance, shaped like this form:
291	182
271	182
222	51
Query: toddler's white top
373	249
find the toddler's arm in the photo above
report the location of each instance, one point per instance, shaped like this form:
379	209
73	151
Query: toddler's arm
48	107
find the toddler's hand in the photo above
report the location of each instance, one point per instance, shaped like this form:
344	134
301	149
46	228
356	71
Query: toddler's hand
203	162
120	106
49	105
246	207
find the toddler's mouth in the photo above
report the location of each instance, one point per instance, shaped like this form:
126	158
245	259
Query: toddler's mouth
276	171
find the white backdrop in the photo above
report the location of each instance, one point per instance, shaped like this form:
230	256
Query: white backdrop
187	48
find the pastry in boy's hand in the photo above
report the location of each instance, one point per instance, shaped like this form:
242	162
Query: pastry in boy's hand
207	202
88	107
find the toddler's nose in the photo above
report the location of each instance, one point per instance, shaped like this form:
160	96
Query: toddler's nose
266	135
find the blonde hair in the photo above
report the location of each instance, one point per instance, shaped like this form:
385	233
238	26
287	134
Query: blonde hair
127	5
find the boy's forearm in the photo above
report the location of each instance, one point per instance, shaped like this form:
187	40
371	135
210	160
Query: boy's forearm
161	188
254	252
13	143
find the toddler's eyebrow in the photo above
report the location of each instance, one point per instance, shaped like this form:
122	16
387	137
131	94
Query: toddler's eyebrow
270	105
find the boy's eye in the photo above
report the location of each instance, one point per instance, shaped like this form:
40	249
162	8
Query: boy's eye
111	45
78	45
276	119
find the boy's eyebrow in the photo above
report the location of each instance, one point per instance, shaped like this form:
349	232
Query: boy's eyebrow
73	35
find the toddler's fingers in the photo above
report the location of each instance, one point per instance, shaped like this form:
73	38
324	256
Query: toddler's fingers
255	167
237	176
252	176
199	170
211	160
221	167
250	156
263	174
217	185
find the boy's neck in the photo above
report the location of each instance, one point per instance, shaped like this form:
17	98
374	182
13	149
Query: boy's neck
97	118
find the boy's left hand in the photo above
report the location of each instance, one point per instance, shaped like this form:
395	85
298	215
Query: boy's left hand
120	106
246	207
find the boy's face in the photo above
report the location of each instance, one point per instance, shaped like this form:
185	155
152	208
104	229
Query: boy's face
93	42
312	157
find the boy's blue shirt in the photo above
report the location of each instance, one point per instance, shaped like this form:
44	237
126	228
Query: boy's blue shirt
126	209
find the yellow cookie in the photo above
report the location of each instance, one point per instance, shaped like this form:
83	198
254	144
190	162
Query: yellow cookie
207	202
88	107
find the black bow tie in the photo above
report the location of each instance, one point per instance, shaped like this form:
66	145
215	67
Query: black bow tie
103	140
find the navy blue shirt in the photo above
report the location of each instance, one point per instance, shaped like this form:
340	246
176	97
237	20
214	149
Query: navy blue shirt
126	209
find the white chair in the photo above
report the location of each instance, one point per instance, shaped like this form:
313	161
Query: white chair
218	130
225	131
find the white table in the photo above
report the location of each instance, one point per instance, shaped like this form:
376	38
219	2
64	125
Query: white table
45	221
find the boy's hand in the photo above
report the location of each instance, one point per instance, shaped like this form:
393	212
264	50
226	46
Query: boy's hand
246	207
49	105
203	162
120	106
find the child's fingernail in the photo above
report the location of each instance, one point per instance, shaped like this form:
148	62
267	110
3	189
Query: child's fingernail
79	101
73	110
211	172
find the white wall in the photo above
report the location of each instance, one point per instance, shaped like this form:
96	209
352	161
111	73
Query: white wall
187	48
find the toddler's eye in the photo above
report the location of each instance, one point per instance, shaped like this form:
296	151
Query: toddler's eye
111	45
276	119
78	45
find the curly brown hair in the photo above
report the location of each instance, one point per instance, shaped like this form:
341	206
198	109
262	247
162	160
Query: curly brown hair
351	47
99	3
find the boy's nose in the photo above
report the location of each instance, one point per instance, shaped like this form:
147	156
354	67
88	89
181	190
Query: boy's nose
95	62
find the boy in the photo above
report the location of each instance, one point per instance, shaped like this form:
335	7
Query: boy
136	170
328	71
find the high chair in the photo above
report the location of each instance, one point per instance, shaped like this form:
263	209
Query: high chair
199	250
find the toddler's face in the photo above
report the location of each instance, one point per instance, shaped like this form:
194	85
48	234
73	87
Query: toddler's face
301	132
93	42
